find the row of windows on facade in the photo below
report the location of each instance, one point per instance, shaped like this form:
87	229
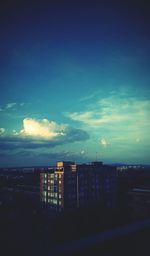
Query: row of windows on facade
51	175
54	188
82	181
52	181
57	199
82	189
72	176
44	193
73	195
52	201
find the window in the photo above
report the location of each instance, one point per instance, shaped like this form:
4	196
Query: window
54	201
55	189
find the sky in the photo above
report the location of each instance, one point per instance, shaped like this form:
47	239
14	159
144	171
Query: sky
74	82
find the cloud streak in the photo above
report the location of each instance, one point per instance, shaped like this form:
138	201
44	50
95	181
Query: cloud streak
10	105
118	117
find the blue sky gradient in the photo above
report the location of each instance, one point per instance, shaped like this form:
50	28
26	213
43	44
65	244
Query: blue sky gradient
74	83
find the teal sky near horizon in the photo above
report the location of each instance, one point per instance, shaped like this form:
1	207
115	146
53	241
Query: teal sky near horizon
74	83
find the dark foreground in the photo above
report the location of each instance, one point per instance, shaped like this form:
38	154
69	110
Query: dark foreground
27	229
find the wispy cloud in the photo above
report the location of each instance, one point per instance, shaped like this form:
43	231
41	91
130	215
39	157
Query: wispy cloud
11	106
22	104
119	116
91	96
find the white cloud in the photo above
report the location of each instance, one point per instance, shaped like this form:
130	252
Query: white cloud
41	128
104	142
10	105
2	131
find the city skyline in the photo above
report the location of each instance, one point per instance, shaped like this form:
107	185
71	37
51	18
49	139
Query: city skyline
74	83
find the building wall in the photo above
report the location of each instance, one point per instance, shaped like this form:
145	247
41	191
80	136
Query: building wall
70	186
97	184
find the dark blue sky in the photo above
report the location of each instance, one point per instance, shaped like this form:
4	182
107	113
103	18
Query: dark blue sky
74	81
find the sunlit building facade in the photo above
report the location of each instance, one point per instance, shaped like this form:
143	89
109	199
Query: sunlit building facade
59	186
70	186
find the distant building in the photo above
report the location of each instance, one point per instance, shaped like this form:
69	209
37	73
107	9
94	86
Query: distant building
139	202
128	180
70	186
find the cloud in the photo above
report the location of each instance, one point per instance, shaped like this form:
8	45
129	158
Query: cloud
97	119
118	115
41	133
85	117
92	96
2	131
42	128
10	105
104	142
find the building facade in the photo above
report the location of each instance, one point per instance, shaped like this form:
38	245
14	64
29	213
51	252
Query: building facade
71	186
58	186
97	184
